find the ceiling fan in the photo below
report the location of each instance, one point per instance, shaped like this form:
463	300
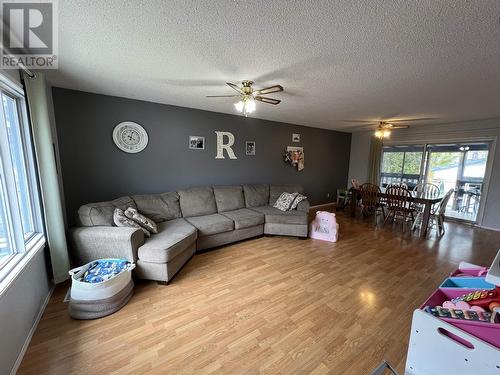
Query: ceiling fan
384	127
248	96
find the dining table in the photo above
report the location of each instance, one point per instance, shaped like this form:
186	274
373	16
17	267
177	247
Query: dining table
416	198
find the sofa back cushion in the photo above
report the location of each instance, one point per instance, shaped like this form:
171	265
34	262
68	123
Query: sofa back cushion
159	207
101	213
256	195
229	198
197	201
275	192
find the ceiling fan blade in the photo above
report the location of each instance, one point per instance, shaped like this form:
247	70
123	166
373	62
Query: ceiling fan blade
268	90
412	119
400	127
267	100
367	126
221	96
235	87
361	121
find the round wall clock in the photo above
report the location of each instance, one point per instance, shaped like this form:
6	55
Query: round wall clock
130	137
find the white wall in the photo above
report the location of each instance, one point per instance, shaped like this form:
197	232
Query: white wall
22	300
360	150
20	306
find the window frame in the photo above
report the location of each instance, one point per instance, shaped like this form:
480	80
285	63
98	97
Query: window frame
20	243
411	179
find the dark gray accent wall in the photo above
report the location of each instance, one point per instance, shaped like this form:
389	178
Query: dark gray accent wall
94	169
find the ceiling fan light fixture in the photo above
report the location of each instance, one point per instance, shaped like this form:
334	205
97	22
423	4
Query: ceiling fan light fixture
382	133
246	105
250	105
239	106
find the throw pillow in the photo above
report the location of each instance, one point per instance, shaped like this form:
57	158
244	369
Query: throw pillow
142	220
298	198
121	220
285	201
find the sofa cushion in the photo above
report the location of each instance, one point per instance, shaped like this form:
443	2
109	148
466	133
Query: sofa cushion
229	198
244	218
197	201
159	207
101	213
173	238
256	195
275	192
211	224
275	216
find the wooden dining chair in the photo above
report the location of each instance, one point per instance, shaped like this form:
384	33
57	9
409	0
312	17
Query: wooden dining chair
399	205
370	201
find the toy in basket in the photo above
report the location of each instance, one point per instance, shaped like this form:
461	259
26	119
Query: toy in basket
100	288
324	227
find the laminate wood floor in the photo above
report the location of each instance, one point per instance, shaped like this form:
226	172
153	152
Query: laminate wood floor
268	305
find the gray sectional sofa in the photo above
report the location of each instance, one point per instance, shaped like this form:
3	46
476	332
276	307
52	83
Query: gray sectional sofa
188	220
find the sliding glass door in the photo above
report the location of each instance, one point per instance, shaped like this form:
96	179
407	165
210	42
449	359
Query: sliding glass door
460	167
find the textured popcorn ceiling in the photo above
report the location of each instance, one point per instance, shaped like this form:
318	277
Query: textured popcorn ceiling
337	60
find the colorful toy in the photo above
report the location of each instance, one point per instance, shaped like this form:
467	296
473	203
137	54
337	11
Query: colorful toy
482	298
461	305
441	312
324	227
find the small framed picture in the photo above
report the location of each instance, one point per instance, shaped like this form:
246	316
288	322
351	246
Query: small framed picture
296	137
250	147
196	142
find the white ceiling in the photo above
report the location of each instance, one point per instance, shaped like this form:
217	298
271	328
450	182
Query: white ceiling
337	60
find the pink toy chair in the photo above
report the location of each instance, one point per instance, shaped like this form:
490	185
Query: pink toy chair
324	227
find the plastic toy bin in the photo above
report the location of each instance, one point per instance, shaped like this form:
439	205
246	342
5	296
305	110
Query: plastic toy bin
439	348
489	332
469	272
466	282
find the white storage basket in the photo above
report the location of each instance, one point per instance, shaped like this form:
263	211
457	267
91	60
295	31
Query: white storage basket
83	291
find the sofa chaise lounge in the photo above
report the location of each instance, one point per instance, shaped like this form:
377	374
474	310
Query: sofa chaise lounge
188	220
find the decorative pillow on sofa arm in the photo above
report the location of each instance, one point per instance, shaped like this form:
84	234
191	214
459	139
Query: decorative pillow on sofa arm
121	220
298	198
142	220
285	201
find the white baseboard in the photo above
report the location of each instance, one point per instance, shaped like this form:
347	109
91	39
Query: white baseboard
20	357
489	228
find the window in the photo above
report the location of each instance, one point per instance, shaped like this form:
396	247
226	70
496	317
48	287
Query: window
401	164
20	218
475	164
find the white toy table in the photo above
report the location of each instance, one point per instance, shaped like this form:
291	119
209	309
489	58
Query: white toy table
437	347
